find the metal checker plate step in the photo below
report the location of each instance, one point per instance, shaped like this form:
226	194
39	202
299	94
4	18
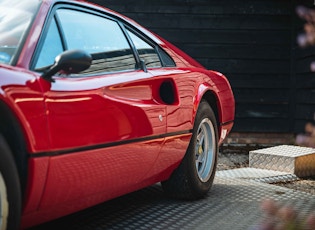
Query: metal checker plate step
286	158
259	175
231	204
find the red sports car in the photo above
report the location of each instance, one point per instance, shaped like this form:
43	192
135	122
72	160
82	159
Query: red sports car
94	106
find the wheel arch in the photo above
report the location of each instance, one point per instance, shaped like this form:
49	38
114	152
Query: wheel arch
212	100
11	131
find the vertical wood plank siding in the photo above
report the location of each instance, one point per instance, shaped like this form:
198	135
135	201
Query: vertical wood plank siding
250	41
305	79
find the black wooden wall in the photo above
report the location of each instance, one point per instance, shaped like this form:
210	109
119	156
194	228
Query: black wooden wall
304	78
251	41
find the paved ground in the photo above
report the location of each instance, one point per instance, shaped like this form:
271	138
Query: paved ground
231	204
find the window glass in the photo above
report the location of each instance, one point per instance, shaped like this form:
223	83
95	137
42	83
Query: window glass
101	37
166	59
146	52
15	18
52	47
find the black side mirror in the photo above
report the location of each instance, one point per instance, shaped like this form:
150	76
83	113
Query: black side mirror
70	61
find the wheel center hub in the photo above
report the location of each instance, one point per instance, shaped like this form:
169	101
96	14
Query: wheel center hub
200	151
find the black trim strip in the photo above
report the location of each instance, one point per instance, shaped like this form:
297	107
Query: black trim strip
106	145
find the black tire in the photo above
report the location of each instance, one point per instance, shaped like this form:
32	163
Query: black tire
10	192
194	176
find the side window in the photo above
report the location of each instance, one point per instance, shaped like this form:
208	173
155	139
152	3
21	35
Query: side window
165	58
101	37
146	52
52	47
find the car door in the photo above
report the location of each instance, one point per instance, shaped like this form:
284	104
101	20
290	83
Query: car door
176	93
106	126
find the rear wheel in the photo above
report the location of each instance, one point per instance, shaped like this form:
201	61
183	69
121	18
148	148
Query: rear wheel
10	193
194	176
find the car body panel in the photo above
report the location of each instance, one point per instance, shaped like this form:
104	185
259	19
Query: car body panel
99	175
37	174
93	111
22	93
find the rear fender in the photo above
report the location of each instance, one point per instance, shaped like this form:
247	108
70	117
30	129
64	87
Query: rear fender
218	93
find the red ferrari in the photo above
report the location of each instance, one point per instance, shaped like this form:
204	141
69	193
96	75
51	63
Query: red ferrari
94	106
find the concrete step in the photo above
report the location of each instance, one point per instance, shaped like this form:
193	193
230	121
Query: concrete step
296	160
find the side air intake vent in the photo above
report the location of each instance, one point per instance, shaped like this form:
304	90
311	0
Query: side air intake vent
167	92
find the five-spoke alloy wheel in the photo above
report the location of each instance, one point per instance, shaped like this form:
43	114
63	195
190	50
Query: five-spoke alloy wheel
205	149
4	207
